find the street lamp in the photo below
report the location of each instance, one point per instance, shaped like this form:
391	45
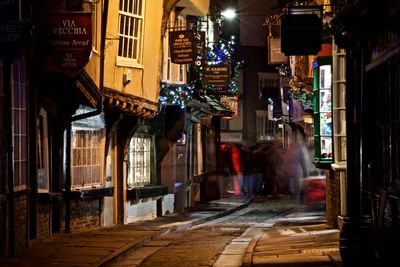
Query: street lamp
229	13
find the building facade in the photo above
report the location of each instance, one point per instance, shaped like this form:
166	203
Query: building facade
83	132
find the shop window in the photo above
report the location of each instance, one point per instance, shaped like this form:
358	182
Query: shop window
131	27
19	125
323	130
87	157
339	103
140	155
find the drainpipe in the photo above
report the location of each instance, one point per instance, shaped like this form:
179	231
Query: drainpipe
96	112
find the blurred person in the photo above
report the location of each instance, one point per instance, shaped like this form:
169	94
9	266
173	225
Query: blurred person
272	168
238	162
226	160
257	167
296	166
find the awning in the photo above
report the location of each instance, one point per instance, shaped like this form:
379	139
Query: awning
217	108
199	110
141	107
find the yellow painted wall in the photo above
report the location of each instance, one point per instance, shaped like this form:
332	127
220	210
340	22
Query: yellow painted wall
145	76
93	66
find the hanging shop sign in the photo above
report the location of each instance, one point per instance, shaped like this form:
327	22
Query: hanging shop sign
182	47
70	41
275	55
301	34
217	75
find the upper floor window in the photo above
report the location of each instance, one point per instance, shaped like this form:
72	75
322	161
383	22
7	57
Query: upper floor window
131	26
173	73
267	130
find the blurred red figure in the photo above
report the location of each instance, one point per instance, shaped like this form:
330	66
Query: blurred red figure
237	162
314	189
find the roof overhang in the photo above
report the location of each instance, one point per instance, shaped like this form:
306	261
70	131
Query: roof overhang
141	107
194	7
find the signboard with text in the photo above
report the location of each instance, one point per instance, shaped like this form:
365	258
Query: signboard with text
217	75
70	41
275	55
182	48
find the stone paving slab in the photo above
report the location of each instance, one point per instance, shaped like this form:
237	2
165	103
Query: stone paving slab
314	245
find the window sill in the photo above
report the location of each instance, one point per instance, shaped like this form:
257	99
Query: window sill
146	192
91	193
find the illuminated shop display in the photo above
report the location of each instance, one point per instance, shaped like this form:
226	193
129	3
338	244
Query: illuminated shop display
323	130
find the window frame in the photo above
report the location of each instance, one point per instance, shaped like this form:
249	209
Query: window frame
131	181
266	129
81	162
173	73
339	104
19	121
96	28
139	16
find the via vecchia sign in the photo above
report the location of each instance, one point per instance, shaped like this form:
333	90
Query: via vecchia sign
70	42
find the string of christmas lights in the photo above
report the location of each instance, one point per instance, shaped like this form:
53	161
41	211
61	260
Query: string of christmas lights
219	53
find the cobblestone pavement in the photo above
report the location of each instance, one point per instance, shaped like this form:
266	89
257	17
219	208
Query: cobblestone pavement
234	231
269	232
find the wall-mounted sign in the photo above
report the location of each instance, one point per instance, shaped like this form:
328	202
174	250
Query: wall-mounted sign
14	26
301	34
11	31
9	9
182	48
70	41
217	74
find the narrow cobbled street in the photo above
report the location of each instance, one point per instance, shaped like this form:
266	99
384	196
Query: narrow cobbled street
221	242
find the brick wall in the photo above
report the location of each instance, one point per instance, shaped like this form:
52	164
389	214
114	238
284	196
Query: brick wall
85	214
332	197
20	221
43	228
